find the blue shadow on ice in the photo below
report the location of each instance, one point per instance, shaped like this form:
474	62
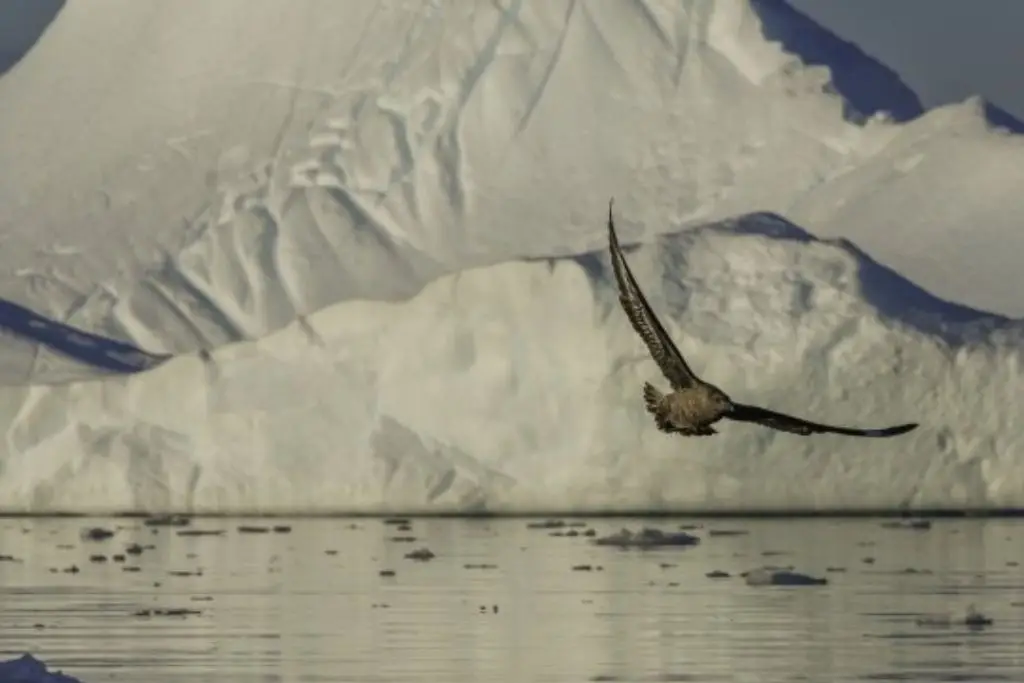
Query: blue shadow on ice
94	350
1002	119
28	669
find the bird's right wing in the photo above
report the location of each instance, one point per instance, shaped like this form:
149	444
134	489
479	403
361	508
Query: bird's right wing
796	425
646	324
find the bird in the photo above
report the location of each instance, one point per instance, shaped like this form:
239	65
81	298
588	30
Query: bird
694	405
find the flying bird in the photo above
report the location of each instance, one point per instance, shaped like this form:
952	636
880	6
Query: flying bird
694	405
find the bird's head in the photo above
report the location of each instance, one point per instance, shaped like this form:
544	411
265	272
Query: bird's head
720	400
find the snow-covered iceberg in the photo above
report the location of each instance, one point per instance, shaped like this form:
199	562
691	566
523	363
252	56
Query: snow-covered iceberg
516	387
365	251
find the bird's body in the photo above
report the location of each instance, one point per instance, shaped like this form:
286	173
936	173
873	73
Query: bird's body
689	411
693	405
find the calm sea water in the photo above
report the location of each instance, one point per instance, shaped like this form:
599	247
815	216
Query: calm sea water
503	602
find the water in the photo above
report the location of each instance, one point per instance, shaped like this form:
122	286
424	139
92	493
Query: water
503	602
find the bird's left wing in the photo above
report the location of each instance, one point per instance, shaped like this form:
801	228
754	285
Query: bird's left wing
645	323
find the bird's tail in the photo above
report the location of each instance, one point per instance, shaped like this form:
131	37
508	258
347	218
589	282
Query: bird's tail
652	399
654	402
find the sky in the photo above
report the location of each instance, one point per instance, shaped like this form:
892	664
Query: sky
945	50
21	22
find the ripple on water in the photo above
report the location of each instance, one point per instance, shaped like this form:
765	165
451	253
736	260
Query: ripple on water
506	599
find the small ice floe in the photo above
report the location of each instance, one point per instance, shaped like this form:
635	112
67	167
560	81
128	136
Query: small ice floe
96	533
972	619
172	612
727	532
28	669
420	555
647	538
914	524
780	576
167	520
547	524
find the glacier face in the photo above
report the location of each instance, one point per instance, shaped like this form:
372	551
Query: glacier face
516	387
399	301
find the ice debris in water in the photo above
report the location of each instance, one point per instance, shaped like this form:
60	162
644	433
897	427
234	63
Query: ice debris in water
647	538
972	619
776	576
28	669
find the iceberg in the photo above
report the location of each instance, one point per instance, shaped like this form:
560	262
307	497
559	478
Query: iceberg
356	263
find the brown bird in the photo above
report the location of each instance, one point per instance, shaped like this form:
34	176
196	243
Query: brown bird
694	405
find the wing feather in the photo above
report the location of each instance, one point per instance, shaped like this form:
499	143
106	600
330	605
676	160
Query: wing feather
645	323
796	425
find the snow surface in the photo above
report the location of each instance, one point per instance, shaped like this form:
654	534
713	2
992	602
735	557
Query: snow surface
373	241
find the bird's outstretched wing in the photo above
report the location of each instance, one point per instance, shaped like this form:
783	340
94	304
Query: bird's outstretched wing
795	425
646	324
